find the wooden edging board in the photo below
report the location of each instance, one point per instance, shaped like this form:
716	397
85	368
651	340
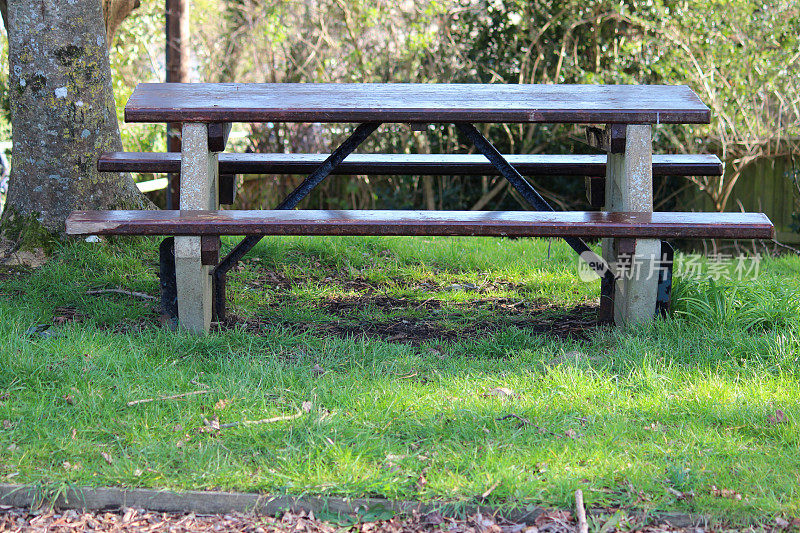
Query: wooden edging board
217	502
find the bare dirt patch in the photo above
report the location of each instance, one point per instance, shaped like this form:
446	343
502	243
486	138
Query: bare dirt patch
364	309
416	322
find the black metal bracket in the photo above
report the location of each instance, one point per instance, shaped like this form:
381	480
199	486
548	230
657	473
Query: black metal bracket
664	298
166	277
295	197
529	194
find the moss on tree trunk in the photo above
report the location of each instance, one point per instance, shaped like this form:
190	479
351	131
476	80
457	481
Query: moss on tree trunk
63	116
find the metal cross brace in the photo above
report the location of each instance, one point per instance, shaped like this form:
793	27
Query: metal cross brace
295	197
538	203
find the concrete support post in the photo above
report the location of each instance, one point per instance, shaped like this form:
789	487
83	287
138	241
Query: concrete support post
199	191
629	187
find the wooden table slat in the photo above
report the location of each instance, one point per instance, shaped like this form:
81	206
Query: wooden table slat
490	223
412	164
414	103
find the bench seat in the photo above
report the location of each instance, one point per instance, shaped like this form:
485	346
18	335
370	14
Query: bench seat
486	223
401	164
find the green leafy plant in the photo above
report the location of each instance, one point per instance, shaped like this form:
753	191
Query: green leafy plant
734	304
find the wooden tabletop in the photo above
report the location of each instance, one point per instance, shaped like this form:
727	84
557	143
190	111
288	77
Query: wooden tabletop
401	102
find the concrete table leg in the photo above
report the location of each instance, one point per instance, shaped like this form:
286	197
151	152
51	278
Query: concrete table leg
629	187
199	190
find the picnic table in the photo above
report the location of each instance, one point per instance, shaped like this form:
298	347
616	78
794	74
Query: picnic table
630	228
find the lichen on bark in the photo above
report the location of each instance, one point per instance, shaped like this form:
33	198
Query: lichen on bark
63	115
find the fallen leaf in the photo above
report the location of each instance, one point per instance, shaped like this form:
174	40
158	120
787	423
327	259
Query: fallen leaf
222	404
210	425
422	480
129	514
500	392
778	418
725	493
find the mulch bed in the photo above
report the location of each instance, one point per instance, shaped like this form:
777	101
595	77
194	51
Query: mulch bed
140	520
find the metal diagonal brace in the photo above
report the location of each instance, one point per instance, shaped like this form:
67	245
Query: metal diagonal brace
295	197
538	203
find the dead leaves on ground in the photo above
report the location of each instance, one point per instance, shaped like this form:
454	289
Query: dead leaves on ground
725	493
141	520
779	417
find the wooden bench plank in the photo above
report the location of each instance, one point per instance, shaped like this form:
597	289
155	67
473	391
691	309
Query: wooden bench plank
414	102
414	164
488	223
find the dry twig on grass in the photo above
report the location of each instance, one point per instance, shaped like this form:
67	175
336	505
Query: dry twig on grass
122	291
262	421
173	397
583	525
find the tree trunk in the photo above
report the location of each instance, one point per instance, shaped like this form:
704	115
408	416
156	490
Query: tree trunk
114	12
62	113
177	61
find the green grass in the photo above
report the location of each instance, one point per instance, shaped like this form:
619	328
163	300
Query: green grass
631	417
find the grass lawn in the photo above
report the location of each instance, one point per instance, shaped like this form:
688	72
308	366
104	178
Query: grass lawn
449	369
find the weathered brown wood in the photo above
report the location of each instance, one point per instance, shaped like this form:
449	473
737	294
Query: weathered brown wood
424	102
209	249
218	136
400	164
491	223
596	191
609	139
